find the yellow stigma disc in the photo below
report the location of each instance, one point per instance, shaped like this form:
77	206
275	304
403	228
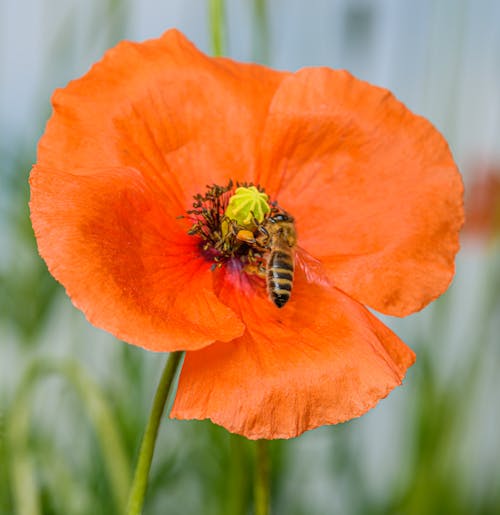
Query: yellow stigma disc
247	205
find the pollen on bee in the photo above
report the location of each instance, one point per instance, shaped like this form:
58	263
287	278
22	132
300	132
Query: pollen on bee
246	236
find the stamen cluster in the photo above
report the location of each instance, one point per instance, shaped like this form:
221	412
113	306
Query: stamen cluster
217	231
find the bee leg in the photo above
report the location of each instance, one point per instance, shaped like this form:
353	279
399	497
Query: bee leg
259	225
256	269
263	231
263	238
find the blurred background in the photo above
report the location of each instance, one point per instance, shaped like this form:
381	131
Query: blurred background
74	402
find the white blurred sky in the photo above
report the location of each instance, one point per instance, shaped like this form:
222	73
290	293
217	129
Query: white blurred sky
441	57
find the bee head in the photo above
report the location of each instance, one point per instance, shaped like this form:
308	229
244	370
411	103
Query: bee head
280	217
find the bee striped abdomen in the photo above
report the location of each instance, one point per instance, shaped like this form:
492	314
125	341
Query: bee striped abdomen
280	276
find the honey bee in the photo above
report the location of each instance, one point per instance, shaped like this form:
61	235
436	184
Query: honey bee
277	238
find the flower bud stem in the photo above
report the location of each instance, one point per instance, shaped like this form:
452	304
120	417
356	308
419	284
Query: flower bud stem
261	483
140	482
217	27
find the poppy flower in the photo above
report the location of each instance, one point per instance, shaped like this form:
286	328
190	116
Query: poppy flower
126	222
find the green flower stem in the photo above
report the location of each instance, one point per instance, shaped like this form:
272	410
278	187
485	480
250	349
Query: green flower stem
261	33
238	481
217	26
140	482
261	484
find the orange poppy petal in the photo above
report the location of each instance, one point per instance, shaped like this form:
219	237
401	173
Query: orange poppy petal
128	266
323	359
373	187
179	117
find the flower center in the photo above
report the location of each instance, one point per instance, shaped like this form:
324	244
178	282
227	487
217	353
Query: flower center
231	222
241	227
248	206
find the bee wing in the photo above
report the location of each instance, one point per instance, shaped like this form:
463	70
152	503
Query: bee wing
313	269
